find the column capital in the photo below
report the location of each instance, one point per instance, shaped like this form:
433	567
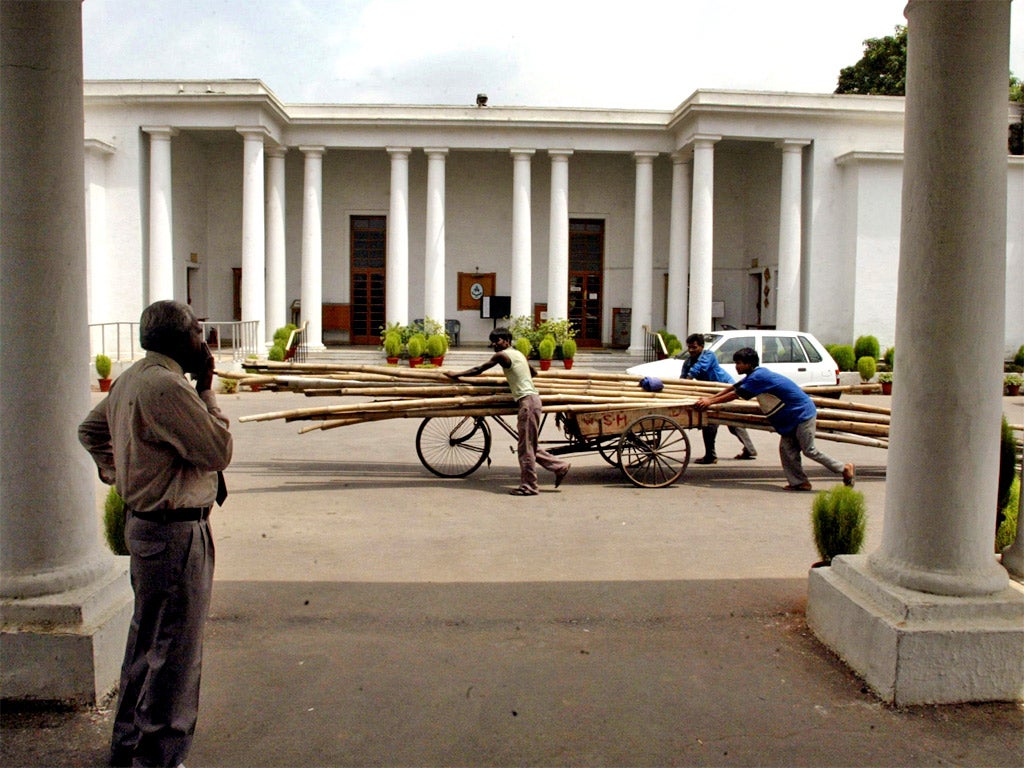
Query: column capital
645	157
399	150
276	150
312	151
518	153
252	132
160	132
681	157
441	151
704	140
792	145
559	154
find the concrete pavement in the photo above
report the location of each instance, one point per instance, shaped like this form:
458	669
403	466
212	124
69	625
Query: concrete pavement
368	613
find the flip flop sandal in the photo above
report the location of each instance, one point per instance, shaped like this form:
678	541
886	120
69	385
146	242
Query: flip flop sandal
522	492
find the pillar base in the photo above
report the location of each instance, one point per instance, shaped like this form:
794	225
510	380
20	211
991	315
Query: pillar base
916	648
66	647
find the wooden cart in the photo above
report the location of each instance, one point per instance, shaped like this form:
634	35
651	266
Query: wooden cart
649	444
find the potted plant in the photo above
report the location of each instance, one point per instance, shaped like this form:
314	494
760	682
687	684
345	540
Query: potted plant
437	345
568	352
839	520
524	346
392	346
885	379
546	350
1012	382
866	367
417	345
103	366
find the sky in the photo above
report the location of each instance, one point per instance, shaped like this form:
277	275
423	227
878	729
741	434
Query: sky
630	54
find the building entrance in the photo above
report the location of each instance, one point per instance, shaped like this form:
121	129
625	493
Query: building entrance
368	249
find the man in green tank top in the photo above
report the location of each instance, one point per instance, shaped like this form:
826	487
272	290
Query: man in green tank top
519	375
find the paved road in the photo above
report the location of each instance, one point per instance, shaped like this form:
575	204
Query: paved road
368	613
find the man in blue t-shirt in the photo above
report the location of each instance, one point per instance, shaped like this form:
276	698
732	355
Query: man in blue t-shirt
789	410
702	365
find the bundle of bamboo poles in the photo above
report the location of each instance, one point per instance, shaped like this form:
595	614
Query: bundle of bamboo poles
389	392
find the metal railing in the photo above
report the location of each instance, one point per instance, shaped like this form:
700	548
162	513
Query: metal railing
120	341
654	346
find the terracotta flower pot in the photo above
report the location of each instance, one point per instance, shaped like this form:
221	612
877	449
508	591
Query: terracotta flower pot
438	361
104	385
415	361
886	387
392	361
545	365
567	362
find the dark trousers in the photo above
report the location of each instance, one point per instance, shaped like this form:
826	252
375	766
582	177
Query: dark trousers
172	577
710	435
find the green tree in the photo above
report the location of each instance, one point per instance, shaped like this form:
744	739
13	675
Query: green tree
882	70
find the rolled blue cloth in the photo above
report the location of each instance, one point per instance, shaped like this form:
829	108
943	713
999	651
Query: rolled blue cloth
651	384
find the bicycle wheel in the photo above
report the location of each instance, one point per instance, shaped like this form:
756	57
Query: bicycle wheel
654	451
453	446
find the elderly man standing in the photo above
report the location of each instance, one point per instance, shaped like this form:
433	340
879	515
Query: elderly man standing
163	443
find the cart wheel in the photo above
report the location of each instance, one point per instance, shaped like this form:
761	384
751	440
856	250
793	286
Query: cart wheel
654	451
453	446
609	450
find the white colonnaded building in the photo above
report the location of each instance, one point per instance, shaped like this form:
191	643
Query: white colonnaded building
737	208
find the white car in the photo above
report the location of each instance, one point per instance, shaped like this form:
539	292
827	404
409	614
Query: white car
796	355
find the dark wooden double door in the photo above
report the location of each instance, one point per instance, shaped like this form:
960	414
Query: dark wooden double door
369	245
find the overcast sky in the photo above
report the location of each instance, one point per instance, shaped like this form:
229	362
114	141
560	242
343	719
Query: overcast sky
570	53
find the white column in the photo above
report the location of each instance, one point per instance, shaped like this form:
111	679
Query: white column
702	234
65	601
397	268
787	308
277	298
522	235
939	522
643	248
929	617
98	288
558	242
679	246
433	274
161	250
254	285
312	246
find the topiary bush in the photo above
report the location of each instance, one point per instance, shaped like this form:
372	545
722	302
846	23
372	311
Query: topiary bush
844	356
866	367
1018	359
889	357
1006	533
546	348
113	522
523	345
839	520
866	346
276	353
103	366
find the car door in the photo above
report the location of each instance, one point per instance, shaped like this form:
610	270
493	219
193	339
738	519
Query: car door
784	354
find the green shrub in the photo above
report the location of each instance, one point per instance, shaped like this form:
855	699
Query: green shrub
281	334
839	520
889	357
866	367
228	386
113	522
417	345
672	343
523	345
865	346
885	377
276	352
393	343
1006	534
103	366
568	349
1018	359
844	356
546	348
435	346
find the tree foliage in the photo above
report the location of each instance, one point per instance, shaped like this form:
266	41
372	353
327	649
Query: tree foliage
882	70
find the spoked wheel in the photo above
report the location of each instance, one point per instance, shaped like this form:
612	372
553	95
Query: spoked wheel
609	450
453	446
654	451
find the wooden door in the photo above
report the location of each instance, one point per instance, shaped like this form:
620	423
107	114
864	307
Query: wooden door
368	249
586	271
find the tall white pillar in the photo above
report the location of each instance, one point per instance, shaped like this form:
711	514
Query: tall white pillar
254	286
65	601
277	298
396	280
522	235
312	246
787	308
679	246
161	241
98	287
702	234
643	248
928	617
433	275
558	242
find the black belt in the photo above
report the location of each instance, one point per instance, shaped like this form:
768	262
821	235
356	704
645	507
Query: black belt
180	515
